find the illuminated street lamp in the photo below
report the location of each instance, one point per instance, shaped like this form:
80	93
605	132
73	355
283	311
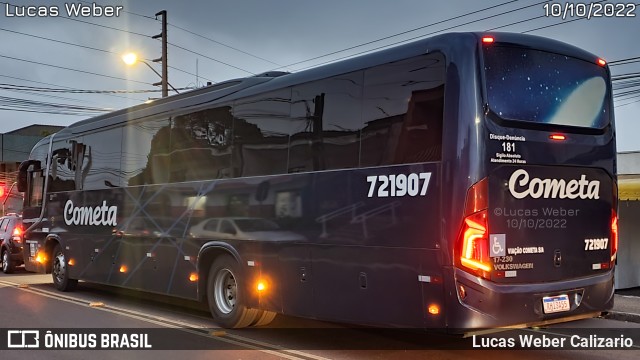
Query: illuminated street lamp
132	58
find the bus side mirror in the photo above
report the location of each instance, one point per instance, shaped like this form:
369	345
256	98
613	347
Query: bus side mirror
23	173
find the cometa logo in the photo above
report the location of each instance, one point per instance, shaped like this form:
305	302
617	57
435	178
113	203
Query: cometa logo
87	215
521	186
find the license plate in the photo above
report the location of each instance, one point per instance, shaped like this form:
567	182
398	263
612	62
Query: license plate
554	304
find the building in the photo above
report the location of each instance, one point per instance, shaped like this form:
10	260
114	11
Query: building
628	272
15	147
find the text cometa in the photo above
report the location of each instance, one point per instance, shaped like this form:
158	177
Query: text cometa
87	215
521	186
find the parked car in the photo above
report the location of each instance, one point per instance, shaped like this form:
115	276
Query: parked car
11	242
243	228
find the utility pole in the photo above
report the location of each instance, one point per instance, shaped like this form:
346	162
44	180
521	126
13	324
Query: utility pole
163	59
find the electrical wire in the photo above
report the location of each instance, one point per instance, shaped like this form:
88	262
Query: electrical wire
76	70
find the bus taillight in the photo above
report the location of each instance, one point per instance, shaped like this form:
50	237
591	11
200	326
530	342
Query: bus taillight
475	242
601	62
614	235
487	39
474	248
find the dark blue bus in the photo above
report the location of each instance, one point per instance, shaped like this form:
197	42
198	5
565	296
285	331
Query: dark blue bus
462	181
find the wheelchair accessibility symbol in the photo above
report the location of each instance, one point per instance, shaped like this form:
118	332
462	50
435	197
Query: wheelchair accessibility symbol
498	245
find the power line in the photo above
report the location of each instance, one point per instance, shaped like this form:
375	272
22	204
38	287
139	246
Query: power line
89	48
18	104
147	36
76	70
535	18
398	34
137	34
44	111
210	58
624	61
420	36
626	76
228	46
66	87
19	101
204	37
77	91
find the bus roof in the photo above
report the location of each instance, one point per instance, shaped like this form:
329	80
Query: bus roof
236	88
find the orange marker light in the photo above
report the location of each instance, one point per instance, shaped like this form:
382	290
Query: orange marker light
40	258
488	39
601	62
262	286
557	137
71	262
193	277
434	309
123	269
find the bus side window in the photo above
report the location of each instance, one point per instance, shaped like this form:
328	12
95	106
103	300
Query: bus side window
261	128
62	175
145	152
99	160
403	111
198	138
420	139
327	121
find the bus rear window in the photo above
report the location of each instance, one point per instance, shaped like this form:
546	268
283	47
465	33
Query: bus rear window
547	88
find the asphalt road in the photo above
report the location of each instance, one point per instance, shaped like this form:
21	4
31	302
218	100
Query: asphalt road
29	301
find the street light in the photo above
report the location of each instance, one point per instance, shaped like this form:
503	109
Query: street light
131	58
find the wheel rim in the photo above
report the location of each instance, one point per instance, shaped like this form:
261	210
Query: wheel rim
59	267
5	261
225	291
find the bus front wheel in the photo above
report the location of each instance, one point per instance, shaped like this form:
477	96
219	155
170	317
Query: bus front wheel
227	302
60	271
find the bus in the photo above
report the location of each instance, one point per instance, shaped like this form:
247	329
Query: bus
462	181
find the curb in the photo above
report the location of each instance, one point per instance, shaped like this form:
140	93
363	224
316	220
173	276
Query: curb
621	316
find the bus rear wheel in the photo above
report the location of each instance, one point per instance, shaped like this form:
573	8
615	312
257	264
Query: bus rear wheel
227	302
60	271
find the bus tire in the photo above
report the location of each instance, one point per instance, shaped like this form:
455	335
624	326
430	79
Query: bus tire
227	302
7	265
59	271
264	317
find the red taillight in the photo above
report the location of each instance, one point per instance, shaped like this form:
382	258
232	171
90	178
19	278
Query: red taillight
557	137
474	234
475	242
601	62
17	234
614	235
488	39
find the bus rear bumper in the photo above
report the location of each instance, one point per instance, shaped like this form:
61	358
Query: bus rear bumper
490	305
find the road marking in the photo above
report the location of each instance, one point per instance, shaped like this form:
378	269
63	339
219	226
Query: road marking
248	343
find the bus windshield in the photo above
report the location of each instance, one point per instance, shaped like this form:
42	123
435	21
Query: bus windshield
542	87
